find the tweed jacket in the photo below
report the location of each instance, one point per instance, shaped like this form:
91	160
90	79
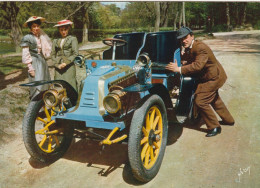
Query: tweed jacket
67	53
202	63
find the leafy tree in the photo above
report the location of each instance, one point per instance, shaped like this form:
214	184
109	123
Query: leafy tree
253	14
131	16
196	14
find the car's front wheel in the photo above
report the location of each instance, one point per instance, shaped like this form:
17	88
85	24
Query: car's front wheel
44	139
147	138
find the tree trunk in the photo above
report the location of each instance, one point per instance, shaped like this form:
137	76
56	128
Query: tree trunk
183	13
11	9
228	16
85	27
175	20
176	16
16	33
237	14
157	13
180	17
164	7
243	14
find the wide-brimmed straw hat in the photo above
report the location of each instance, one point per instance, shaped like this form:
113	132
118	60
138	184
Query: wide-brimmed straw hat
63	22
33	18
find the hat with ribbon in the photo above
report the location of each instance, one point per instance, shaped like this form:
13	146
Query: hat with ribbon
33	18
183	32
63	22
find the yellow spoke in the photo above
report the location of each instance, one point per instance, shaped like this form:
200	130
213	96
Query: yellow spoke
155	122
144	151
52	111
53	132
144	131
41	131
156	152
146	160
152	154
56	140
144	140
157	132
147	122
155	144
152	117
43	140
48	132
47	114
42	120
49	145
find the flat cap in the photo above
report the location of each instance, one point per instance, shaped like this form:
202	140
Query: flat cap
183	32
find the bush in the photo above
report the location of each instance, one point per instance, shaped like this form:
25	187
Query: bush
93	34
4	31
219	28
166	28
257	25
99	34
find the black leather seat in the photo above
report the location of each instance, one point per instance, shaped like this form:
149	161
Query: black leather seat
161	46
130	50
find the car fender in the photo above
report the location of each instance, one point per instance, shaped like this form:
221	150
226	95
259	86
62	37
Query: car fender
71	92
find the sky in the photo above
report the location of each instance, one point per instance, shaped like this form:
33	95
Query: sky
121	5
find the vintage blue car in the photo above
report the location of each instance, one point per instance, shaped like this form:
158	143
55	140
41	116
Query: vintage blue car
128	93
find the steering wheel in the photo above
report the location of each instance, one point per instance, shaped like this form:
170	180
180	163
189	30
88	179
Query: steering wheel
114	42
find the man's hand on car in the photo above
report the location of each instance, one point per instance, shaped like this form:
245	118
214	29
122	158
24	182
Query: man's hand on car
173	66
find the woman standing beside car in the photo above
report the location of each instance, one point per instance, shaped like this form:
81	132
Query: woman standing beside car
36	47
64	51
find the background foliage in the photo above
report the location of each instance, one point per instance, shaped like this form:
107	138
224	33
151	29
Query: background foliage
97	20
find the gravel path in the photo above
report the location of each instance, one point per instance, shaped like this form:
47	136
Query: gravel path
230	160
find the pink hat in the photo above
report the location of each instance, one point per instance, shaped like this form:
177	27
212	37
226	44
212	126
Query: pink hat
63	22
33	18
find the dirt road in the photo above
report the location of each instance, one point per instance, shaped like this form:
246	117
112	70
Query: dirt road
231	159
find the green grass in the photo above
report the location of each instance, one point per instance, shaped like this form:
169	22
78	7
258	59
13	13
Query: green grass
4	37
10	64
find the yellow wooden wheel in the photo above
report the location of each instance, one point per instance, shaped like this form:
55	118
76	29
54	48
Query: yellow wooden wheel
152	134
50	136
45	139
148	138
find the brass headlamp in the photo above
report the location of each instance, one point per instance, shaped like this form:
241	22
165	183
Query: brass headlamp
54	95
113	101
143	59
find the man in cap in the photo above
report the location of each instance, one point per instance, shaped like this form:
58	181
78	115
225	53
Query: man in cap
199	61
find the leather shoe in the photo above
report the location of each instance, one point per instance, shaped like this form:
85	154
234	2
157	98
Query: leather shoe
226	123
214	132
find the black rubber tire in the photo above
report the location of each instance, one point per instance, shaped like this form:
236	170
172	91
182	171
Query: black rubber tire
135	135
29	137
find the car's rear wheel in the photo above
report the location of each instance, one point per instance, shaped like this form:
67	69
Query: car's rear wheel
44	139
147	138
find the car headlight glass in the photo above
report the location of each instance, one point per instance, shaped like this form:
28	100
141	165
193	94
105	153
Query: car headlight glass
50	98
112	103
143	59
54	95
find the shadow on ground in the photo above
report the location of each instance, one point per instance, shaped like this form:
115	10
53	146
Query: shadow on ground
19	75
113	156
